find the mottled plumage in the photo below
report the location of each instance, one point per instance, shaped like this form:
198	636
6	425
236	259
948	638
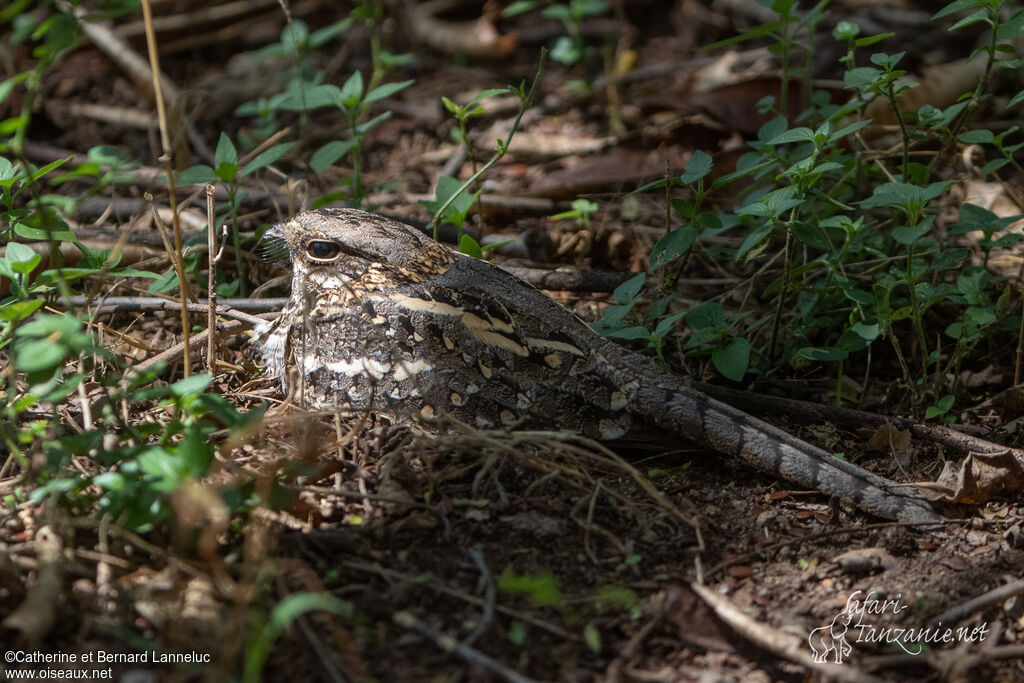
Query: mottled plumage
381	317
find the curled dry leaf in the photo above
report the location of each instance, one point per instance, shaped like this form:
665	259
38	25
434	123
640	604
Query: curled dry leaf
980	477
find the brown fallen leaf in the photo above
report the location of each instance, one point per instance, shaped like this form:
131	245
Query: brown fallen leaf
980	477
888	436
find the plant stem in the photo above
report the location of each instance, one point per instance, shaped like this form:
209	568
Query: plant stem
525	104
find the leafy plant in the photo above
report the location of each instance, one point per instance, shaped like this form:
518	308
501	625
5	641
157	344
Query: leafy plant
230	173
857	265
353	101
572	49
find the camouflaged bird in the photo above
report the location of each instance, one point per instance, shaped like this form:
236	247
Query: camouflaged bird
383	318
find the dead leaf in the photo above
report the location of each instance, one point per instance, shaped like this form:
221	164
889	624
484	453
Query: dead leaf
890	438
980	477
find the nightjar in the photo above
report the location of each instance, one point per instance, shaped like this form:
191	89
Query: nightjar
383	318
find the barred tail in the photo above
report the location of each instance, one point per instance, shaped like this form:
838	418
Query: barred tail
691	415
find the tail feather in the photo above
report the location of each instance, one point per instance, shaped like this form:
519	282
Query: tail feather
688	414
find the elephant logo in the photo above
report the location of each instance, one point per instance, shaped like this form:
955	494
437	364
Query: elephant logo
832	639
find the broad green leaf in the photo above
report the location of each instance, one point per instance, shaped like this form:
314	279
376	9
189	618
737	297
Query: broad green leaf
981	136
698	166
386	90
794	135
469	246
733	359
196	384
199	173
19	310
266	157
635	332
352	91
329	153
39	354
861	77
672	246
706	315
226	153
21	257
629	290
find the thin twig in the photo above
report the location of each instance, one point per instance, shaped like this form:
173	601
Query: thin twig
464	652
211	281
167	158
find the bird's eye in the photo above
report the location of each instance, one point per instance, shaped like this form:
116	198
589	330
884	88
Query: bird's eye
323	251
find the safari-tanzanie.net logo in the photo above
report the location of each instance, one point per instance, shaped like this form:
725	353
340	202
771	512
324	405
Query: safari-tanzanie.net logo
860	622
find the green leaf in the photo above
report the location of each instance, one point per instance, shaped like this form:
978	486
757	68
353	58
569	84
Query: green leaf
386	90
950	259
111	481
772	204
1012	28
329	153
755	242
847	130
672	246
635	332
542	588
972	18
19	310
954	6
698	166
861	76
592	637
39	354
490	92
196	384
162	467
823	353
40	172
199	173
811	235
865	331
295	605
469	246
226	153
364	128
667	323
312	97
941	407
845	30
352	91
518	7
9	173
448	187
629	290
732	360
907	234
21	258
981	136
706	315
794	135
266	157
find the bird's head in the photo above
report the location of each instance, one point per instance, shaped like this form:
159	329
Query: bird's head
355	244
